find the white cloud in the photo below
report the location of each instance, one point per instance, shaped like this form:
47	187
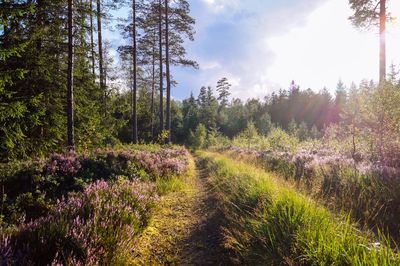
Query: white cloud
210	65
218	6
237	38
262	45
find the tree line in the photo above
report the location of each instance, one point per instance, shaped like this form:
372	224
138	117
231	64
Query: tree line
56	76
59	86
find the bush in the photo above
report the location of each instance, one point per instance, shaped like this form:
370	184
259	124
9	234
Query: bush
197	139
279	140
91	227
32	188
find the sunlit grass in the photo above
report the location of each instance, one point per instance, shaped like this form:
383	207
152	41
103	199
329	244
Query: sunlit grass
177	183
269	222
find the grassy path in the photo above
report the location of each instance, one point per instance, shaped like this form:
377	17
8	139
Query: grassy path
225	204
185	228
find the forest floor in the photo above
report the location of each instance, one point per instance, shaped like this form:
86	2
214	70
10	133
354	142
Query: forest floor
185	229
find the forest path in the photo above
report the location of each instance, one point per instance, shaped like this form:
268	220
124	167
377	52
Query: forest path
185	229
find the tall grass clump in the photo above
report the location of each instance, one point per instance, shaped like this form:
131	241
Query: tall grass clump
267	222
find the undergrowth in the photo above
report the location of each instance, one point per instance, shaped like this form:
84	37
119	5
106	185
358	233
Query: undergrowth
93	206
268	222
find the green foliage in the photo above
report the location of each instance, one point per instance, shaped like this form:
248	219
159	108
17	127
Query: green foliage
279	140
314	133
303	132
250	133
198	138
366	13
263	124
163	137
212	138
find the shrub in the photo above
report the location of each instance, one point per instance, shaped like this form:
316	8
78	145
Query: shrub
279	140
91	227
198	138
32	188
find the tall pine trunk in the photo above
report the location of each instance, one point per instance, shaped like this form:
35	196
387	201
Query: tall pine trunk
134	107
382	36
91	38
168	126
153	85
70	77
161	67
100	45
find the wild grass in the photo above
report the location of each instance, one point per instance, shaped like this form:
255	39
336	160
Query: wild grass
370	195
268	222
177	183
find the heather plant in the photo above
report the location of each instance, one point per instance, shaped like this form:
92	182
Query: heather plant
92	227
30	189
368	190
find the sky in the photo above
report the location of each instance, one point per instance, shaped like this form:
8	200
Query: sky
262	45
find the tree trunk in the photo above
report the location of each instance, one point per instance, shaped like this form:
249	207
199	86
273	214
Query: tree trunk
100	44
134	111
153	85
167	71
382	34
70	77
91	38
161	67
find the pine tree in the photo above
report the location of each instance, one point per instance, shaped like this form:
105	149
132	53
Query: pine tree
372	12
70	78
167	65
190	114
134	92
92	52
223	88
147	49
340	100
12	109
100	47
160	53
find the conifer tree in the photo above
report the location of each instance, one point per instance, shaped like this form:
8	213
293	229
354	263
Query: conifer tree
223	88
369	13
70	76
134	92
168	77
160	53
100	47
92	52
